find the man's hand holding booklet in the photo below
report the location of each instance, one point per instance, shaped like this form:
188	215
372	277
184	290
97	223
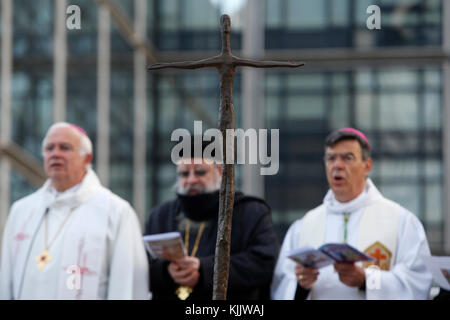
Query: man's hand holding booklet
167	246
328	254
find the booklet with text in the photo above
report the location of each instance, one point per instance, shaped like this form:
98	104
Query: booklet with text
167	246
328	254
440	268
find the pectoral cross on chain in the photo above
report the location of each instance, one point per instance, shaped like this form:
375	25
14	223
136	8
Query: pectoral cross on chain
43	258
225	63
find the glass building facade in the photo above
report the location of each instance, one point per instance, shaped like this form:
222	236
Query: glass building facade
389	83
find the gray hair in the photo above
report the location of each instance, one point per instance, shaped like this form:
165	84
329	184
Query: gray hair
214	186
85	142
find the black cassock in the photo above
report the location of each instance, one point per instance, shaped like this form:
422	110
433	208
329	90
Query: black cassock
253	253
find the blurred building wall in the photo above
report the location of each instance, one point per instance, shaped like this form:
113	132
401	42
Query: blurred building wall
390	83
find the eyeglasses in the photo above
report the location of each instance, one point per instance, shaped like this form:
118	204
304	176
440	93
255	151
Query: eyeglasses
197	173
346	158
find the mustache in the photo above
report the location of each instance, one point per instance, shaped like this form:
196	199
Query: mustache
211	186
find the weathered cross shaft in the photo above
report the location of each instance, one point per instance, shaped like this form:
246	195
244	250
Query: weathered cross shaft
226	64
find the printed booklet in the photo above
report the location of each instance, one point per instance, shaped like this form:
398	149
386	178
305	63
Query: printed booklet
440	268
167	246
328	254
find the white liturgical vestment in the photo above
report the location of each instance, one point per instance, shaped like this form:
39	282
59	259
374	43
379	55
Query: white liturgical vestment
94	240
377	226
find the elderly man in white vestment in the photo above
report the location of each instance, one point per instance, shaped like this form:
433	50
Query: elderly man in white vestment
72	238
355	212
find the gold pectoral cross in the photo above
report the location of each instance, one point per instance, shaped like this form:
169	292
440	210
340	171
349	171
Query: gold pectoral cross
43	258
183	292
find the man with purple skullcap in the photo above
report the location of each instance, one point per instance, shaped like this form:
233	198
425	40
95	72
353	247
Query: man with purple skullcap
72	238
354	212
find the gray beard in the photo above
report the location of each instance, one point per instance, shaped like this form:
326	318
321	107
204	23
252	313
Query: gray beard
213	186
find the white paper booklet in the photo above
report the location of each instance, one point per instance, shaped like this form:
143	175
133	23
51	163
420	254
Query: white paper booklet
167	246
440	268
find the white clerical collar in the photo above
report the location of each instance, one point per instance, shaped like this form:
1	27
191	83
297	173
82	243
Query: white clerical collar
73	196
69	191
334	206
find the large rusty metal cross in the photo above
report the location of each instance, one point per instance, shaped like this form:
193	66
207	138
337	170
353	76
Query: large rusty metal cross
225	63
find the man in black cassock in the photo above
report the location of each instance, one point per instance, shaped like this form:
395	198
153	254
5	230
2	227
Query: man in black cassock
194	213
